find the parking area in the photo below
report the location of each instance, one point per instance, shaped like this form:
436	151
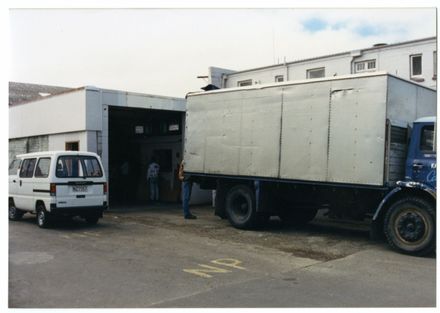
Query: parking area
152	257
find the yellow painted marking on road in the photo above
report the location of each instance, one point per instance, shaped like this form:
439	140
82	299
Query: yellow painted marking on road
206	269
229	262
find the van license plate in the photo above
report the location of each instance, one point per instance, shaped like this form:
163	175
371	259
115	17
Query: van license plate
79	188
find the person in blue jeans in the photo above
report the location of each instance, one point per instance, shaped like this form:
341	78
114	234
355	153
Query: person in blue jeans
186	193
153	179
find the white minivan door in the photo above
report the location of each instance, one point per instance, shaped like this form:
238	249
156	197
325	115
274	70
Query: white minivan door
24	198
13	177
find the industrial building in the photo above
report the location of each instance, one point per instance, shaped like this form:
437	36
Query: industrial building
126	129
414	60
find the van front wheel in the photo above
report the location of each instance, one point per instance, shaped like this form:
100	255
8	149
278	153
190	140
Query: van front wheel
43	217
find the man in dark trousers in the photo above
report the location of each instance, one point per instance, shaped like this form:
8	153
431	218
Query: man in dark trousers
186	194
153	179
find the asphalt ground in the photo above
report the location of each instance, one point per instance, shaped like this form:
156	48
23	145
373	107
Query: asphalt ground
149	256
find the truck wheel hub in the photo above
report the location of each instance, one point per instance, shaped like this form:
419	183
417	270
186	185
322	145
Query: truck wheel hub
240	206
411	227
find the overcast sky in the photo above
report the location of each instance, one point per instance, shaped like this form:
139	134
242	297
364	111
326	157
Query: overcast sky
162	51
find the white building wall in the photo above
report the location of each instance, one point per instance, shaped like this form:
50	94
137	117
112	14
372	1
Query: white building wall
58	114
142	101
58	141
394	59
262	76
94	142
94	109
335	66
104	139
216	75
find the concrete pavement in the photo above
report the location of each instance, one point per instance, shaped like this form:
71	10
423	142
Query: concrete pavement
154	258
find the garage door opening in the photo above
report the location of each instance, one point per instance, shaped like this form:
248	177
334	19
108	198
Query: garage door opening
135	137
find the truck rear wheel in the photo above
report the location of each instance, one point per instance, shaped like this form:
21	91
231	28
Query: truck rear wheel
409	226
240	207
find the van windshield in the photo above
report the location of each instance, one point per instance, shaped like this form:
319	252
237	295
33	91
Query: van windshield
71	166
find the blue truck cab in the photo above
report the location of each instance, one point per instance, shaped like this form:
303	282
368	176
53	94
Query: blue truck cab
421	162
407	213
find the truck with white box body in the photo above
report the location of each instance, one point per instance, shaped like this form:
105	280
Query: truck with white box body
361	146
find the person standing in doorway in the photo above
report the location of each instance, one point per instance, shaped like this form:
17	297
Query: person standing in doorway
153	179
186	192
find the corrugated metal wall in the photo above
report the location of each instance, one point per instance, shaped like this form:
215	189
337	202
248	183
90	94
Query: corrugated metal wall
332	130
27	145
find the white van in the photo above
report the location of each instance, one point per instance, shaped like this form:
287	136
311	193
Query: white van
57	183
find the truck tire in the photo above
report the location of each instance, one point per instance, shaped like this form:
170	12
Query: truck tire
240	207
43	217
409	226
14	213
298	217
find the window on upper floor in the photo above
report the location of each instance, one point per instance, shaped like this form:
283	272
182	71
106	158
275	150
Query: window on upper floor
416	65
242	83
279	78
316	72
365	66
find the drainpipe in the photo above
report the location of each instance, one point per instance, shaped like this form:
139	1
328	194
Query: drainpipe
224	79
354	54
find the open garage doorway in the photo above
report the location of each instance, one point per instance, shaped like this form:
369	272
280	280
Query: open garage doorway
135	137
